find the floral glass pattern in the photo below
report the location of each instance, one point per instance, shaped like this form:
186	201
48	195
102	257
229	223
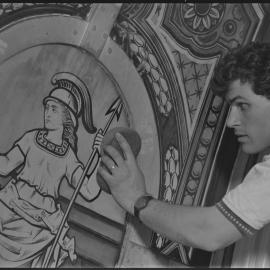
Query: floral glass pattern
202	17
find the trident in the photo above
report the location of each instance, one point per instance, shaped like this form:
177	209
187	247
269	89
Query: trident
115	110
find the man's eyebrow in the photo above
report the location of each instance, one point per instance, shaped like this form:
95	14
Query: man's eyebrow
230	101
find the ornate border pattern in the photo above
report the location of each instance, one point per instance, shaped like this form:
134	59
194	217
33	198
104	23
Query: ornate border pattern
10	12
145	61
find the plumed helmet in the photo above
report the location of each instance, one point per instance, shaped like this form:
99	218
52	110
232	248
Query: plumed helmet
71	91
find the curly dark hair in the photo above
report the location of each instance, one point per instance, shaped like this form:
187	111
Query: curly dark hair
250	63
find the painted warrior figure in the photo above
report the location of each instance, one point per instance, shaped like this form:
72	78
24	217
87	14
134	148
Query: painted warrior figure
38	161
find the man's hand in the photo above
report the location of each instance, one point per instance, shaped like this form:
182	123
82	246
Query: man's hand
122	174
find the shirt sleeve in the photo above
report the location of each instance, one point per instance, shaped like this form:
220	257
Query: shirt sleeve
24	142
248	205
72	165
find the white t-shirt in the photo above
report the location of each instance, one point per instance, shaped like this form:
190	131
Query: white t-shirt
247	206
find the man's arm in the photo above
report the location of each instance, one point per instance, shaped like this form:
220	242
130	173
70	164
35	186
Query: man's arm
10	161
202	227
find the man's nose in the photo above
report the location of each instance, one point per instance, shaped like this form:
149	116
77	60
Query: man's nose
233	119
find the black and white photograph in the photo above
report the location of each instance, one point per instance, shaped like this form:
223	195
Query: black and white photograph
135	135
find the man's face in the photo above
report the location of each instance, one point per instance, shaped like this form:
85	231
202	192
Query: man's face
53	115
249	117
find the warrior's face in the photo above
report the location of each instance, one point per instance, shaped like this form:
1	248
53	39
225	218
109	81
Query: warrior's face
53	115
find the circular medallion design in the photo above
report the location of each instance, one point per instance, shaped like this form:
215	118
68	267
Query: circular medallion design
229	28
201	18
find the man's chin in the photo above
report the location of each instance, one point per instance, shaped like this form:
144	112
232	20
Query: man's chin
248	149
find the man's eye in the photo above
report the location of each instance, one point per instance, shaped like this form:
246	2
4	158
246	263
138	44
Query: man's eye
243	106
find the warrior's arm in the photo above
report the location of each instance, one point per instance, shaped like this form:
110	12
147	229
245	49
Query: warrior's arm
90	189
10	160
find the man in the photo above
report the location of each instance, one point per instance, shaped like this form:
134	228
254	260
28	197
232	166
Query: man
243	78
